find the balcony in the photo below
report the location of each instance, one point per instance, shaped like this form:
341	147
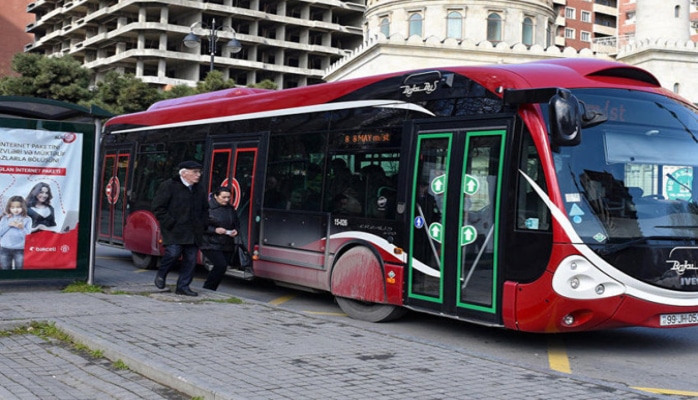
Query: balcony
607	10
605	30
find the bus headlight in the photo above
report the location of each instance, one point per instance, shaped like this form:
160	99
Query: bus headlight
574	283
577	278
600	289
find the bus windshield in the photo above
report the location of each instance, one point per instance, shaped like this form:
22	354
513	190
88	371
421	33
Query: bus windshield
630	182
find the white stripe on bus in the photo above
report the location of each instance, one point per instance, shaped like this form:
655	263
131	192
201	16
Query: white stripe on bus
289	111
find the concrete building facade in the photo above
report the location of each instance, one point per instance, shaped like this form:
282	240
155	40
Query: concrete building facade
288	42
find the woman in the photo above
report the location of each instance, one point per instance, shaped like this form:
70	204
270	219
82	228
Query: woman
218	243
39	206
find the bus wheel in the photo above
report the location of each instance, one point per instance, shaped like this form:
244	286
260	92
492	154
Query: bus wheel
371	312
144	261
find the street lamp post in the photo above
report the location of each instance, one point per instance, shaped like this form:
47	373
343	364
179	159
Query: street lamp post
192	40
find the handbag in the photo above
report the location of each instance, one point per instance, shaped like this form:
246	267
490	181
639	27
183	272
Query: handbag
241	258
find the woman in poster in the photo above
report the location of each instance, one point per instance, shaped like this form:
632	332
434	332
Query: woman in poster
15	225
39	206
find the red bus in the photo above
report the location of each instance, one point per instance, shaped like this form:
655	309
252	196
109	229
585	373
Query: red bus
549	196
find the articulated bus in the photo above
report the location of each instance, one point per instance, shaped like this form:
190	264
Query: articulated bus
550	196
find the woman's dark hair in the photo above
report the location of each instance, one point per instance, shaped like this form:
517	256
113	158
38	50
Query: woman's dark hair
31	198
221	190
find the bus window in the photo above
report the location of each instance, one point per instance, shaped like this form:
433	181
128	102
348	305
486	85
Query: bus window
219	167
342	187
532	213
148	180
363	184
295	172
157	163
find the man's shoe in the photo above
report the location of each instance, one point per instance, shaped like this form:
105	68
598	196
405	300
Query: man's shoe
159	282
186	292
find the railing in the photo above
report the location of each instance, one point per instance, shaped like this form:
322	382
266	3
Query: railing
611	44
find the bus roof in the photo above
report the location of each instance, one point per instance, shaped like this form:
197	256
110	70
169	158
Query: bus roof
567	73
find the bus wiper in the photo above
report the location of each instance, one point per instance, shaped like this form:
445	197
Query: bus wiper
676	117
612	249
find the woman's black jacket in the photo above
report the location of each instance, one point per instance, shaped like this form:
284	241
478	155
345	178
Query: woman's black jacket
220	217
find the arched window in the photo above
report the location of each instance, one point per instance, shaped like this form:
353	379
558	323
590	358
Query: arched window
415	27
454	25
385	26
677	11
676	88
494	28
527	32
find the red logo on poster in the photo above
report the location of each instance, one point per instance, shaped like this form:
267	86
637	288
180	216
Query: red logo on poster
112	190
69	137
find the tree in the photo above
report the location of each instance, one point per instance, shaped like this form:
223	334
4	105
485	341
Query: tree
124	93
265	84
57	78
179	91
65	79
214	81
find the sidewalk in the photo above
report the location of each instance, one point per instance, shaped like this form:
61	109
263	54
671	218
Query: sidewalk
205	347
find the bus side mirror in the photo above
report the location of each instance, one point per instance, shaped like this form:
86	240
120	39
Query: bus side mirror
565	119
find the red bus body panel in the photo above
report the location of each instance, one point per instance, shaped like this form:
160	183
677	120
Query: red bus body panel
142	234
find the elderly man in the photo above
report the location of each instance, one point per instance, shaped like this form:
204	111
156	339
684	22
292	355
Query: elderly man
181	207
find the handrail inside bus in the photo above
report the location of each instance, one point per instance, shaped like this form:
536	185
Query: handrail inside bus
290	111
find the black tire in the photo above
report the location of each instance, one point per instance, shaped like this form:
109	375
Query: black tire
144	261
370	312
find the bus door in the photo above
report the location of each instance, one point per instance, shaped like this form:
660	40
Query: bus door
113	206
233	163
452	267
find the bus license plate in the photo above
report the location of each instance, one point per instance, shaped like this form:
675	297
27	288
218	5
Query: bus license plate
678	319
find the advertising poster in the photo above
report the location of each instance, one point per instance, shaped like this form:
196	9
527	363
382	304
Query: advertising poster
40	178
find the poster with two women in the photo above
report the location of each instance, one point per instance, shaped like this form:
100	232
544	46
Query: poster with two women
40	180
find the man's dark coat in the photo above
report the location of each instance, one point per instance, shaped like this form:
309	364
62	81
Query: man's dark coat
182	213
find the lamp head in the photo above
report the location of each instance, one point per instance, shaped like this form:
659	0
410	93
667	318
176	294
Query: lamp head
234	45
191	40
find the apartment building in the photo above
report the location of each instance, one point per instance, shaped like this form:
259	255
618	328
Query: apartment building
288	42
13	20
582	23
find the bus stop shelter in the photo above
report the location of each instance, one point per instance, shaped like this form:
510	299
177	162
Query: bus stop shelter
48	163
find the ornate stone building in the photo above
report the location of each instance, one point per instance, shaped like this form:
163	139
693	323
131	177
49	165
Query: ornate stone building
439	33
418	34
